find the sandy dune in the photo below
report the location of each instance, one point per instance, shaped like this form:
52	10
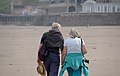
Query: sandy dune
19	44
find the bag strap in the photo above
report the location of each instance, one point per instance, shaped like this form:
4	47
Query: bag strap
81	47
85	60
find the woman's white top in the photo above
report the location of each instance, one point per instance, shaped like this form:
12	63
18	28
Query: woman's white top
73	45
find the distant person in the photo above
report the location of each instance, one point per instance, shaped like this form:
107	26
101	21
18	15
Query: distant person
72	55
55	43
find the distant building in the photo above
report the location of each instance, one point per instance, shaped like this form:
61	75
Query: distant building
61	6
79	6
107	1
91	6
17	7
53	7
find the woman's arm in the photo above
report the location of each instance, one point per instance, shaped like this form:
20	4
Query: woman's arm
84	49
63	53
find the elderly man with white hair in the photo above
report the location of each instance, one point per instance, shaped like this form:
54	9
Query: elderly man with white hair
55	43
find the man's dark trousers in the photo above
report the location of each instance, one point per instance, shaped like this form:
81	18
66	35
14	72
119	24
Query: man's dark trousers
51	63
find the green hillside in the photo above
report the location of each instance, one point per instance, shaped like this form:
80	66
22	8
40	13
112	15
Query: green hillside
5	5
30	2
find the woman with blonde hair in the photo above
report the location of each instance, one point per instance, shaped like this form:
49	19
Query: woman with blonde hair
72	55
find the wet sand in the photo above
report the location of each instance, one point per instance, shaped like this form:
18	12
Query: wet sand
19	44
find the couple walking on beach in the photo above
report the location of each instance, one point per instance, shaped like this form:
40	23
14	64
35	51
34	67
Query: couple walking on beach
72	50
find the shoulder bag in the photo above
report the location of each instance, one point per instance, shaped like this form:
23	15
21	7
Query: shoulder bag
42	52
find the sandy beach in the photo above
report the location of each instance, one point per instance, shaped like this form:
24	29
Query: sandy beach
19	44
